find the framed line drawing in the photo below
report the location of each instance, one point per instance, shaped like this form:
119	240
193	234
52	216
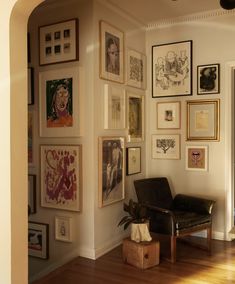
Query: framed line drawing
136	69
208	79
111	53
30	138
111	170
38	240
169	115
196	158
133	160
135	117
61	176
30	86
114	107
58	42
59	103
32	193
166	146
172	69
203	120
63	228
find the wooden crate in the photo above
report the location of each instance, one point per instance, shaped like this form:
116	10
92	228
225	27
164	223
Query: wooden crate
142	255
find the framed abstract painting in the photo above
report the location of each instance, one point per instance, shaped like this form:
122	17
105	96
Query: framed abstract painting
208	79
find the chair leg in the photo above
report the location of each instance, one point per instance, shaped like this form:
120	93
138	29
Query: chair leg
173	249
209	237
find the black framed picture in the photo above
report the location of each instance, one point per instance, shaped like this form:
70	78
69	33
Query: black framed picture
133	160
208	79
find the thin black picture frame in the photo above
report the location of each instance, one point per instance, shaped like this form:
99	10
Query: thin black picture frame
208	79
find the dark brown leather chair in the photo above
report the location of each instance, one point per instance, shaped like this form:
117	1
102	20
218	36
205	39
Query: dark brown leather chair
178	216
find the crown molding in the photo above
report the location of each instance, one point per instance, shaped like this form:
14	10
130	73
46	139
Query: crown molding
190	18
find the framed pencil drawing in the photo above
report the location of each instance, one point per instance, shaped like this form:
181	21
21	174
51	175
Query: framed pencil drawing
58	42
63	228
203	120
59	103
38	240
168	115
114	107
61	176
133	160
196	158
32	193
208	79
111	53
135	117
111	170
166	146
136	69
172	69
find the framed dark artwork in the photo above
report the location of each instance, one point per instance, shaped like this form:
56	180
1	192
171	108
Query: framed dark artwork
172	69
208	79
30	138
32	193
38	240
133	160
59	42
28	48
111	170
30	86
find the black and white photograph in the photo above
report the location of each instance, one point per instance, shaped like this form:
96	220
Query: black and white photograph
208	79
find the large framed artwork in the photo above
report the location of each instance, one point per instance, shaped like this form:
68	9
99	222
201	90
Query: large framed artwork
168	115
111	170
136	69
196	158
59	103
32	193
30	138
58	42
111	53
172	69
114	107
61	176
63	228
135	117
38	240
208	79
203	120
133	160
166	146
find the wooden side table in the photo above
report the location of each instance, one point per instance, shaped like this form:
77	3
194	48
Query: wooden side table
142	255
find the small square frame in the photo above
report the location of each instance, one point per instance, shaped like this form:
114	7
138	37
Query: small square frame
58	42
196	158
133	160
32	193
208	79
166	146
169	115
63	228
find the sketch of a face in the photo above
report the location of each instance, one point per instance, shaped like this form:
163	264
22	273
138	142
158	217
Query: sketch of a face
61	98
168	115
112	54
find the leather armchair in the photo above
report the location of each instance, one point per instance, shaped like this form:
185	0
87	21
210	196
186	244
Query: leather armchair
178	216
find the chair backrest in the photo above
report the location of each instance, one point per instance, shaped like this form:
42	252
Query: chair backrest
154	191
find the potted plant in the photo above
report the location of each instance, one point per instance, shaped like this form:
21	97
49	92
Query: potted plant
137	217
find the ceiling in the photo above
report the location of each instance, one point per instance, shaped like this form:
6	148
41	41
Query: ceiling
150	11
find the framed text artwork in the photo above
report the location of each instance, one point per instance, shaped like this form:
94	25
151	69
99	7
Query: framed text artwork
58	42
172	69
111	170
114	107
111	53
61	176
168	115
203	120
166	146
59	103
196	158
133	160
208	79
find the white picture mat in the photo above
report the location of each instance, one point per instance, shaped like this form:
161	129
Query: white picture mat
134	160
171	153
63	228
196	147
174	109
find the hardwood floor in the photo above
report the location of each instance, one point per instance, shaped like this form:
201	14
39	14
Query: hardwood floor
193	266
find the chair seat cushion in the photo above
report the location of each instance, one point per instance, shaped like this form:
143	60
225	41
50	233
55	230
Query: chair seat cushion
186	220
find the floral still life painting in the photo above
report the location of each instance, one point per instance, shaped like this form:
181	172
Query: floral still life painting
60	176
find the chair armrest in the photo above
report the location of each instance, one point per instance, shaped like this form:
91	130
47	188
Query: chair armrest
159	209
188	203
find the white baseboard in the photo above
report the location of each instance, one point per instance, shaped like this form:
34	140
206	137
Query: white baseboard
215	235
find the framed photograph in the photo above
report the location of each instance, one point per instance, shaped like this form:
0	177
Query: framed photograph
111	170
172	69
166	146
111	53
32	193
30	86
133	160
30	138
114	107
63	228
59	103
61	176
136	69
135	117
58	42
168	115
203	120
38	240
208	79
196	158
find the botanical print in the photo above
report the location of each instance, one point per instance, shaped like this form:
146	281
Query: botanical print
30	137
166	146
196	158
135	117
112	60
136	69
60	180
59	103
201	120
